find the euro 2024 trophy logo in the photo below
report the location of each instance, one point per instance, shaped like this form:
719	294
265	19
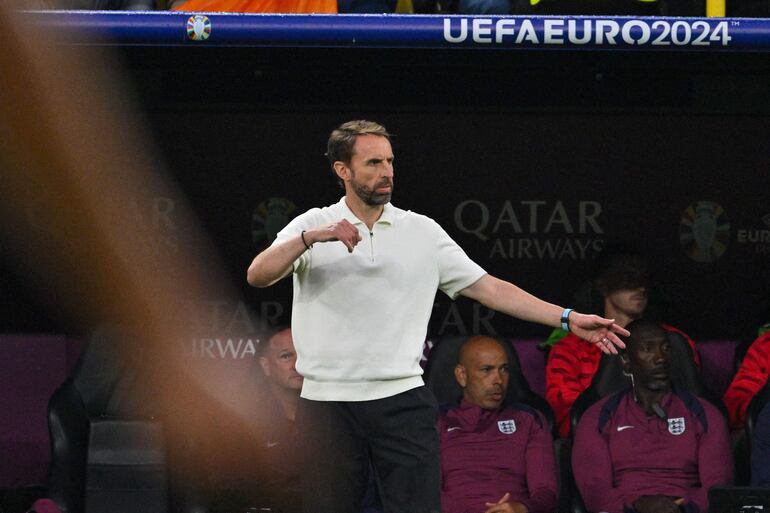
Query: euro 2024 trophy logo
704	231
269	218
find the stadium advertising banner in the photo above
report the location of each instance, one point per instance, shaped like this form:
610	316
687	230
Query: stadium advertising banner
419	31
533	198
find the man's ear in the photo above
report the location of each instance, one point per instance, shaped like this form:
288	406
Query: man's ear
265	365
342	170
460	375
626	364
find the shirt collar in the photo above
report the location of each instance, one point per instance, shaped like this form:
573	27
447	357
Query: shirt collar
478	410
387	217
665	402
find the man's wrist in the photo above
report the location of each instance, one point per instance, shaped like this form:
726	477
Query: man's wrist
307	239
565	319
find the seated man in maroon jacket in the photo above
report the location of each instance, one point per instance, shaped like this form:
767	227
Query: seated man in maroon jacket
651	448
495	458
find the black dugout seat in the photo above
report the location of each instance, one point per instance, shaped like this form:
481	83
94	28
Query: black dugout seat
108	450
753	410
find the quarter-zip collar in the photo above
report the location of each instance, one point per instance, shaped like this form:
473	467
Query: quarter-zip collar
473	417
638	413
387	216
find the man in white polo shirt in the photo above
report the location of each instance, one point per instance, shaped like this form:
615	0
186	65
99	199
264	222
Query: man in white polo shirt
365	277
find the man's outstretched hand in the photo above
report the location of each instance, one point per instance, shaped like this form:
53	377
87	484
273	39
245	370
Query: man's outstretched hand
598	330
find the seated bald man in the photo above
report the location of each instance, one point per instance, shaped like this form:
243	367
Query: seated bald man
651	448
495	457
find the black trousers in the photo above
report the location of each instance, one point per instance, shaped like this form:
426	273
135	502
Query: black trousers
396	434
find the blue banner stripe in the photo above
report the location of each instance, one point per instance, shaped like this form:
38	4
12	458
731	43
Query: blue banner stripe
410	31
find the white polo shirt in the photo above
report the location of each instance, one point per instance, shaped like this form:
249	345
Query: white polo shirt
359	319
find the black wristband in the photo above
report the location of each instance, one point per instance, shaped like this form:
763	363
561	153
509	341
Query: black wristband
303	239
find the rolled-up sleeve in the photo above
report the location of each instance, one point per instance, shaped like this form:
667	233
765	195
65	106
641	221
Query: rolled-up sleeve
455	268
294	229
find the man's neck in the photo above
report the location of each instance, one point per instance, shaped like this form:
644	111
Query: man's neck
369	214
288	399
646	398
622	319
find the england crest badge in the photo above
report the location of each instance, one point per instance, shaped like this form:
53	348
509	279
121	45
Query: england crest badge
506	426
676	426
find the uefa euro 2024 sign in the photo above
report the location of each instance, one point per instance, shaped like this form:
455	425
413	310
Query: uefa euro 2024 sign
586	32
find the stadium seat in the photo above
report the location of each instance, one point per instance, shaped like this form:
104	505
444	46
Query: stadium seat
108	450
743	439
752	413
740	353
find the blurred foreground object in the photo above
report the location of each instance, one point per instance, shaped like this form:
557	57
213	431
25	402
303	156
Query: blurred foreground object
74	161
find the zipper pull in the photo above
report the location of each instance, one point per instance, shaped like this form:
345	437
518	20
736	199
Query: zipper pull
371	245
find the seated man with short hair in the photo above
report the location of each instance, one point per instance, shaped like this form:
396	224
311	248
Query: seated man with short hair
255	460
651	448
495	457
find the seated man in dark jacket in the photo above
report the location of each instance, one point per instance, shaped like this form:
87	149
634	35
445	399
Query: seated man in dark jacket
495	458
256	467
651	448
256	461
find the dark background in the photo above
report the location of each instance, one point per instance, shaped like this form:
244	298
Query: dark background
641	136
